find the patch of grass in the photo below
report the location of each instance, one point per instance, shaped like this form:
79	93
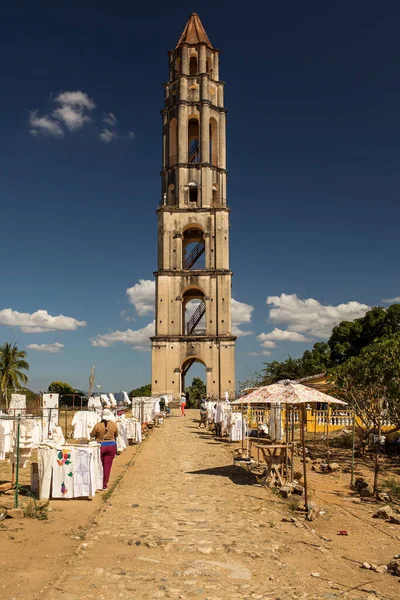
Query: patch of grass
79	533
391	486
33	511
107	495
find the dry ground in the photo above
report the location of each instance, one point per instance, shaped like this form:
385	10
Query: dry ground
185	523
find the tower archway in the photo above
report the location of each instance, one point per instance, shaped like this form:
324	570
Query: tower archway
193	374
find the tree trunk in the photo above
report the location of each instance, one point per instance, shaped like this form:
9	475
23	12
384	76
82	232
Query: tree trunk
378	450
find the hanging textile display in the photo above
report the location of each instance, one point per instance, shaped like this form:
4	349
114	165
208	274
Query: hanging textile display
83	423
69	471
17	404
95	402
50	414
6	429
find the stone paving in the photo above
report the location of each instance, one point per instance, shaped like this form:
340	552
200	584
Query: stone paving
185	523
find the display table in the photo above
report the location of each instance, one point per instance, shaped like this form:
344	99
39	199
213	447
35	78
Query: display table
275	459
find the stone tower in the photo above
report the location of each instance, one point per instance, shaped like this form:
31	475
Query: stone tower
193	280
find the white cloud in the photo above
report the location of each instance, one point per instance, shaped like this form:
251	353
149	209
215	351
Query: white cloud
108	136
73	110
72	118
391	300
280	335
109	119
137	339
241	313
262	353
39	321
44	126
51	348
310	316
79	99
142	296
268	344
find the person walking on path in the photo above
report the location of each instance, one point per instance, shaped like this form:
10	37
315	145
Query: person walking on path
183	404
106	432
203	413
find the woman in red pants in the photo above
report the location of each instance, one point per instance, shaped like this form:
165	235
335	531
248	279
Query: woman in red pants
106	432
183	404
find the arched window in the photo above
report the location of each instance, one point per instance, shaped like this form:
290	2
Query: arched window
194	312
193	140
193	249
213	142
173	142
193	65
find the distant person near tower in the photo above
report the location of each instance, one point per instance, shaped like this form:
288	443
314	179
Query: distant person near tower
183	404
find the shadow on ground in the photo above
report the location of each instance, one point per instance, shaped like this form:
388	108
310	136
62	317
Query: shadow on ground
236	474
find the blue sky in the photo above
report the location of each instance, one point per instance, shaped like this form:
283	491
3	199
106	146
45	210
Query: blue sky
313	98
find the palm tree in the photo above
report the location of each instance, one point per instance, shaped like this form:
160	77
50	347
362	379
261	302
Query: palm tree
12	363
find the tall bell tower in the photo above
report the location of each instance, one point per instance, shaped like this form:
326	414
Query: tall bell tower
193	280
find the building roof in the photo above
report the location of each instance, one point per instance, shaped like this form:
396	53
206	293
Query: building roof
194	32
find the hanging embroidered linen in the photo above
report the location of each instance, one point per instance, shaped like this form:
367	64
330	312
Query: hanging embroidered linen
6	428
50	414
25	442
83	423
62	473
70	471
95	402
17	404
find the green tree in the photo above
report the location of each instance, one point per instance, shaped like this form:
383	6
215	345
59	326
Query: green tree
12	367
350	337
60	387
196	391
370	382
145	390
291	368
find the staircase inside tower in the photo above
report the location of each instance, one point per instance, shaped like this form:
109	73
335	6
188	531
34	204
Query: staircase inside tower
194	254
194	151
195	320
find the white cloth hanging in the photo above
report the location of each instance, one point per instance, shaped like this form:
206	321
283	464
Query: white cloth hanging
127	400
113	401
17	404
83	423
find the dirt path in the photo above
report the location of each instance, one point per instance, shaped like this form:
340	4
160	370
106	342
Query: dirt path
184	523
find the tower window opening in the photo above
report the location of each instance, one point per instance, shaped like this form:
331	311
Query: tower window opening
172	142
193	141
193	193
213	142
208	66
193	65
193	249
194	312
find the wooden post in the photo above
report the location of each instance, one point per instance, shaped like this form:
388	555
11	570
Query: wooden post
303	445
327	432
66	422
378	450
352	449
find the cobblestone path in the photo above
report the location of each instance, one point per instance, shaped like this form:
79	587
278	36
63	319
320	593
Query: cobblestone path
185	523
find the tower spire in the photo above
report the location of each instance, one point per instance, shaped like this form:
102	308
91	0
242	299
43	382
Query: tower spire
194	32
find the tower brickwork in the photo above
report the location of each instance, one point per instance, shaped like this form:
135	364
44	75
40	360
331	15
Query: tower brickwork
193	279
